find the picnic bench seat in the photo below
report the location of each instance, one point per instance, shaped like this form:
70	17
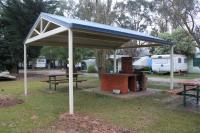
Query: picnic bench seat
180	90
190	89
194	92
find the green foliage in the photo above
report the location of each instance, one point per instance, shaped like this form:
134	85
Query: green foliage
82	53
184	43
101	12
60	53
16	19
183	13
86	9
91	69
147	69
134	14
54	53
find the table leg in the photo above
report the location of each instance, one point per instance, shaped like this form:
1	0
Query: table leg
184	95
76	81
55	83
197	95
49	82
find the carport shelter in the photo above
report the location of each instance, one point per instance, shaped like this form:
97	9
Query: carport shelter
53	30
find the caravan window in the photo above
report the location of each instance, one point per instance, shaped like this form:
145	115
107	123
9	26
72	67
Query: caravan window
41	60
179	60
196	62
185	60
160	61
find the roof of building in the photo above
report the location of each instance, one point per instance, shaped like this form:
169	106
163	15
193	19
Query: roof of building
52	29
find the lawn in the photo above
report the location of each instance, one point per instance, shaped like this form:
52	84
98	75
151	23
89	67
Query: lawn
146	114
160	86
165	85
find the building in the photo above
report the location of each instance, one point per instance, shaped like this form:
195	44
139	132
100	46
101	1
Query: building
194	64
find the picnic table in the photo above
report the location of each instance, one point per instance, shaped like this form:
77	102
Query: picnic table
190	86
58	78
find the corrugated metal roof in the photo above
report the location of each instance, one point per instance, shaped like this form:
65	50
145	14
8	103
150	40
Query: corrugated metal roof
102	28
52	30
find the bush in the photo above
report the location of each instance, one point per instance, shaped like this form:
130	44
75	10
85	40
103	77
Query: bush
147	69
91	69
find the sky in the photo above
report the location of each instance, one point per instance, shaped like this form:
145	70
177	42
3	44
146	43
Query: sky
197	19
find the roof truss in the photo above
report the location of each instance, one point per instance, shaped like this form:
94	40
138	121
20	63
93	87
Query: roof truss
43	29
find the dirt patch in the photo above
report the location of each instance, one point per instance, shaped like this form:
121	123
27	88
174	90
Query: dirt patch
82	124
85	124
7	101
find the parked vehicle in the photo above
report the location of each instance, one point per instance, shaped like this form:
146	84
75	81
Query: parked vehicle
161	63
41	63
6	76
142	63
86	63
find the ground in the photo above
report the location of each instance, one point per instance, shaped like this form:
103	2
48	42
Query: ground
42	111
7	101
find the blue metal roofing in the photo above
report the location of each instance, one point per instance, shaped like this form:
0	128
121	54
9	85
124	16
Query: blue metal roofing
102	28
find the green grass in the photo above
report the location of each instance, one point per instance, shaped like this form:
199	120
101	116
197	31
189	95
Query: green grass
146	114
159	86
183	76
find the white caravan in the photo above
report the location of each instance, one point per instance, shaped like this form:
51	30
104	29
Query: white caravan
86	63
41	63
142	63
161	63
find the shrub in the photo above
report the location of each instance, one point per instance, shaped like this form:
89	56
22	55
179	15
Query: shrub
91	69
147	69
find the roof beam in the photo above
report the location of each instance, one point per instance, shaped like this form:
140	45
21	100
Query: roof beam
46	34
81	33
41	25
56	44
36	31
96	41
46	27
140	46
62	38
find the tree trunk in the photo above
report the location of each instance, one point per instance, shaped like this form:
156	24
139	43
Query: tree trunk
14	69
103	64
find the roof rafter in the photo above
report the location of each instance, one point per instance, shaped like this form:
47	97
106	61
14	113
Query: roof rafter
141	46
46	34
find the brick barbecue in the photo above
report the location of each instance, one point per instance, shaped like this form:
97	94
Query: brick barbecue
126	80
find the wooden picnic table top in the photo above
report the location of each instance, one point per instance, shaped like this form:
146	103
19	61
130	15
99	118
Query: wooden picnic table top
64	74
120	74
189	83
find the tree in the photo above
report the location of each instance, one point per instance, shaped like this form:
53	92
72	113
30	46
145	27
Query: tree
184	43
182	13
60	53
67	8
134	15
101	12
17	17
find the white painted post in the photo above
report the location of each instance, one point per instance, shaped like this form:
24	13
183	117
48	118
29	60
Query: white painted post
25	71
172	67
115	62
70	59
